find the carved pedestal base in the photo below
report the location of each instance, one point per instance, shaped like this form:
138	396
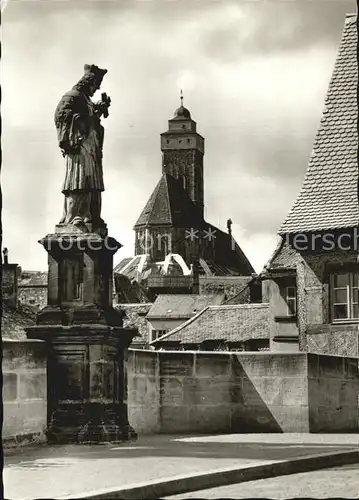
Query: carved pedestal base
86	383
106	433
67	427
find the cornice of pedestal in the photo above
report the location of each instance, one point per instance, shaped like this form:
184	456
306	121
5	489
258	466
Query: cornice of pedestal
79	314
82	228
83	334
79	241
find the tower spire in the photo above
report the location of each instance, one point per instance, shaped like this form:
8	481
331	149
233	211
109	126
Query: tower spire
181	98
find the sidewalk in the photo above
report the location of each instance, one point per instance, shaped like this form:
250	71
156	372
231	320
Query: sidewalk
77	470
336	482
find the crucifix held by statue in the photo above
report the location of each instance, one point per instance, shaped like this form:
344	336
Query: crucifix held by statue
80	137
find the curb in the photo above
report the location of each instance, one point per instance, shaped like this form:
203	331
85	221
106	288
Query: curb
220	477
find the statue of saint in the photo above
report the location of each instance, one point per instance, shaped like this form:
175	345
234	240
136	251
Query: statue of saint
80	136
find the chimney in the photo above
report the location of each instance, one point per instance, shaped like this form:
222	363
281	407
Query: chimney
6	255
9	281
229	226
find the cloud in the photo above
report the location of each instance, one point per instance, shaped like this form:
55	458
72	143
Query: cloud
262	27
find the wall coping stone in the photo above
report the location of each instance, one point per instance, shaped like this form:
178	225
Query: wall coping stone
6	340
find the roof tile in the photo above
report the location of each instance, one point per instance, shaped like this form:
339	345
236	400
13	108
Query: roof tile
230	323
329	195
14	321
169	204
175	306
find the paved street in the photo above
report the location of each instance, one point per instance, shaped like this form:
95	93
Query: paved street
337	482
56	471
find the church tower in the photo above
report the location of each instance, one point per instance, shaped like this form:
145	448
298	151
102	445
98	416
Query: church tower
182	155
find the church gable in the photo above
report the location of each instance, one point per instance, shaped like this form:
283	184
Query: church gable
157	209
169	205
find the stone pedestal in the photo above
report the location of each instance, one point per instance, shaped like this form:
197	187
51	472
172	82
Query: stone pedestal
85	338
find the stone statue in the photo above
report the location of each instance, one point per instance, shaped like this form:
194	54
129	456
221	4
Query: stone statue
80	136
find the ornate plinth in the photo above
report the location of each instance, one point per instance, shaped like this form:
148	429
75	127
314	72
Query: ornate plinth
86	341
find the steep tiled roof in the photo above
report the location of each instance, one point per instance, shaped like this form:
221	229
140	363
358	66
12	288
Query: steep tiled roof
232	323
169	204
181	306
243	296
233	287
14	321
228	253
329	195
284	257
129	267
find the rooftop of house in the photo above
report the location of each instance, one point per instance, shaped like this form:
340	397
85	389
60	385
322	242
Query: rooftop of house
284	258
243	295
181	306
231	323
14	321
131	266
328	199
123	262
228	254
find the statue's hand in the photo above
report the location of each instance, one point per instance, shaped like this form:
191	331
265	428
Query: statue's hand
103	105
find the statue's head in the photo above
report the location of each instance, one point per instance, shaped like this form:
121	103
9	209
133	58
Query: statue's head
92	79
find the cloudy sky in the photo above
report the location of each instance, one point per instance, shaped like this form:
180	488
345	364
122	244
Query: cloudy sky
253	72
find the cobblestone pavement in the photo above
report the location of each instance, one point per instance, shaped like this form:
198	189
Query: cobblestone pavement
337	482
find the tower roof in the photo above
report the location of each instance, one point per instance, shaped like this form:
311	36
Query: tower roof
182	113
169	204
329	195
